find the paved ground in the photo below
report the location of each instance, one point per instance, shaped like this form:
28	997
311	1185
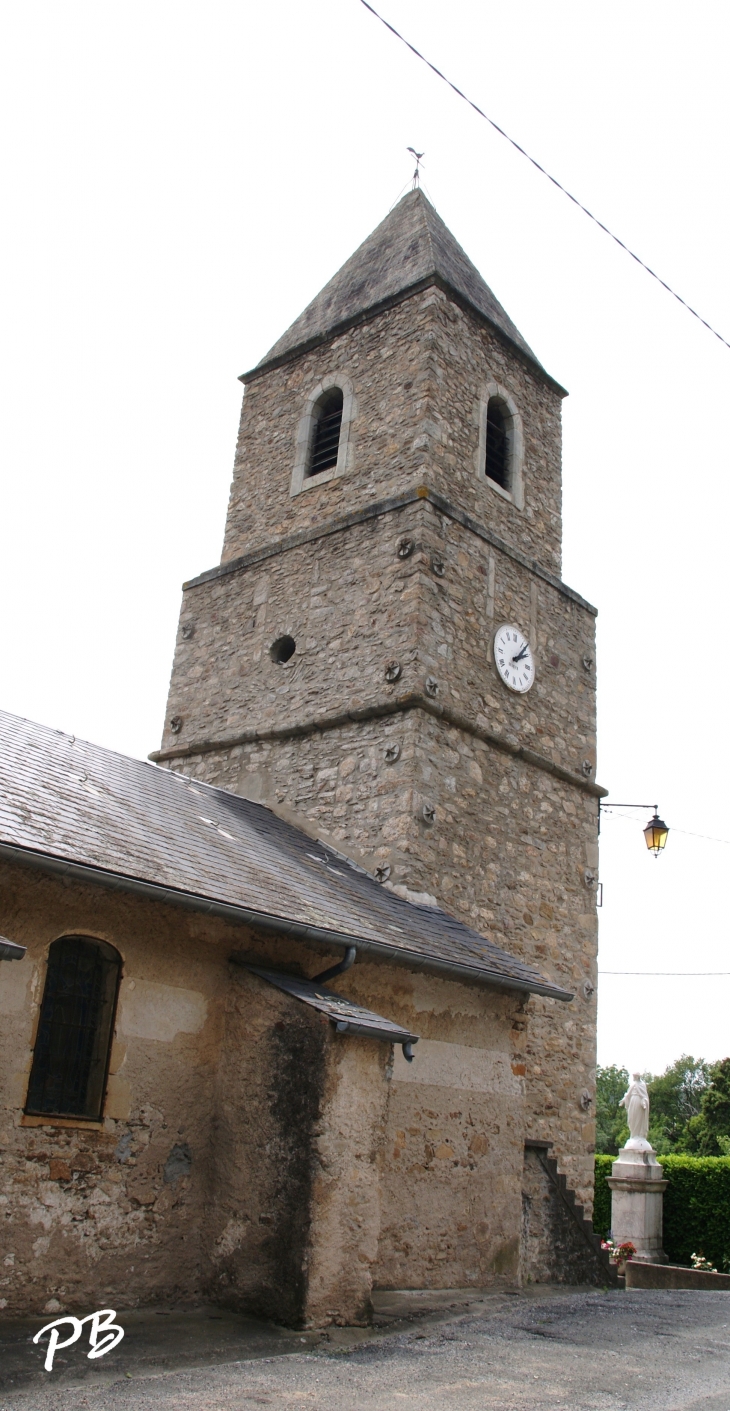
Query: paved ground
552	1348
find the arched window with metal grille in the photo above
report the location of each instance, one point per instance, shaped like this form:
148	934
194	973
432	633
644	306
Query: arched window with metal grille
498	454
327	415
71	1054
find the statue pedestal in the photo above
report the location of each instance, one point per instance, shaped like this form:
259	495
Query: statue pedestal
637	1195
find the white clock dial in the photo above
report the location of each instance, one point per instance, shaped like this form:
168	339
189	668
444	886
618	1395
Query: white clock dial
513	658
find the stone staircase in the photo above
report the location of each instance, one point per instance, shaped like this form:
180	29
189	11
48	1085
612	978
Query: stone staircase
586	1248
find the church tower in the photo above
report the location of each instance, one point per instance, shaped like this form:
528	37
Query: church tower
387	652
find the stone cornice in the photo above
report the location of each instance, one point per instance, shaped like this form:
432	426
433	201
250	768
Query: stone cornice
334	720
381	507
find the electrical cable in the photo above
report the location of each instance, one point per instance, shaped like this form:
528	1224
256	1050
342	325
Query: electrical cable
705	837
677	974
540	168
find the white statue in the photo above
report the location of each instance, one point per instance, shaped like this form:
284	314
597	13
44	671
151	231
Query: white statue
636	1102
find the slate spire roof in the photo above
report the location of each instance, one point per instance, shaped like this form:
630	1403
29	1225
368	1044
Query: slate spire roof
411	248
73	808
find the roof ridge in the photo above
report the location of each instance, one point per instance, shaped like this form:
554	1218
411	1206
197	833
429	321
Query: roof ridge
425	206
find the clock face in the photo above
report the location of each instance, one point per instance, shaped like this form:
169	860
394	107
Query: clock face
513	658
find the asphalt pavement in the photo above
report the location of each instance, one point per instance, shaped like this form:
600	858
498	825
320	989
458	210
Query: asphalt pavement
551	1348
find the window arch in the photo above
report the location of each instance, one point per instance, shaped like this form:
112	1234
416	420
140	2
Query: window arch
323	440
327	417
497	451
500	452
71	1054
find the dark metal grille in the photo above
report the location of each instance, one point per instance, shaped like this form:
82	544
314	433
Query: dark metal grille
497	457
71	1052
326	432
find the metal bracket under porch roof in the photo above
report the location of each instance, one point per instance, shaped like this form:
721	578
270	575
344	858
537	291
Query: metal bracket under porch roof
348	1018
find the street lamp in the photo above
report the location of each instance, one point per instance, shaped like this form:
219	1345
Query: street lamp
656	834
656	831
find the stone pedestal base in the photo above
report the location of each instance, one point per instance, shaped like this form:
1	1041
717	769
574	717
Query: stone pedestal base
637	1194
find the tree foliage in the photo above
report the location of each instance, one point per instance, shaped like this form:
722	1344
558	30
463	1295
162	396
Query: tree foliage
676	1099
690	1131
707	1133
611	1128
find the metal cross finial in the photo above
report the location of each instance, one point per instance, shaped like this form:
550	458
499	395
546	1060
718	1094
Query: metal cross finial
416	175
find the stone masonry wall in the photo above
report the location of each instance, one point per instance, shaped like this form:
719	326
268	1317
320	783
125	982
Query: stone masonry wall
204	1177
109	1214
453	1151
439	1208
246	1151
417	372
507	853
269	1092
552	1247
506	843
346	1181
464	356
511	846
352	604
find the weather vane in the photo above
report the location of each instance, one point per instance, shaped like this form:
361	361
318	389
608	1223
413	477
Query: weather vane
416	175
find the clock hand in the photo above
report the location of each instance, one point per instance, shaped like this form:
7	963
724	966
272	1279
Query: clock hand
522	653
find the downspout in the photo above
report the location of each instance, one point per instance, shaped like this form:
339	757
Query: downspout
349	959
10	951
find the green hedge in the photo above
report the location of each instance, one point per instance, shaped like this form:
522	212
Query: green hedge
696	1207
602	1197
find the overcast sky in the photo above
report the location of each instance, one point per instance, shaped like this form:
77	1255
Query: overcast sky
179	180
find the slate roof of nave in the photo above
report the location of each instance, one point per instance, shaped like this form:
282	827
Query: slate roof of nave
410	248
67	805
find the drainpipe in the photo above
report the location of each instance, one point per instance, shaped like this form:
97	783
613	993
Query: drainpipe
349	959
10	951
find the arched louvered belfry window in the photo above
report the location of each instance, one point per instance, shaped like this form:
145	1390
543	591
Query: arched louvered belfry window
71	1055
326	432
498	454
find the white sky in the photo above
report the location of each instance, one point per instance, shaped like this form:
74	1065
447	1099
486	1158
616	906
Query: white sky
180	179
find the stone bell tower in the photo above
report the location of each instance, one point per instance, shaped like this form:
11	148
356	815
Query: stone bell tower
396	500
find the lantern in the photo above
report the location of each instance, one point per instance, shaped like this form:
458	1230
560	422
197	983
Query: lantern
656	834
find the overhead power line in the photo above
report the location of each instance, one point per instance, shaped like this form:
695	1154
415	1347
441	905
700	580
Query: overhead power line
685	832
545	173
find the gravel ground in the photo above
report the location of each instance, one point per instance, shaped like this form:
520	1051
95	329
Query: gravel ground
558	1349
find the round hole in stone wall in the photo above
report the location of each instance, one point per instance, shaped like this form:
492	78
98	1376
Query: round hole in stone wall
282	650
